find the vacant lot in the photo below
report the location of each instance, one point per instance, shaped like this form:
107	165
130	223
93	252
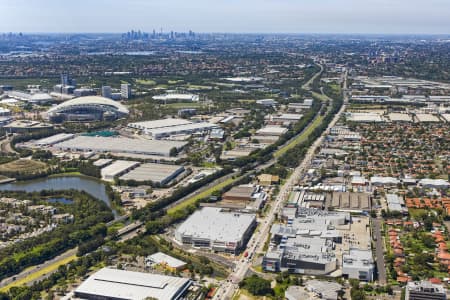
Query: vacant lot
23	166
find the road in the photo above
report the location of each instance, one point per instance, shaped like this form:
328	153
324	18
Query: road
256	242
379	251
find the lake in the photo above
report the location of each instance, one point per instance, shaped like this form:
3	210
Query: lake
91	186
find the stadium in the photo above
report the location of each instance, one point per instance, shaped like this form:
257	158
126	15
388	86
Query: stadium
86	109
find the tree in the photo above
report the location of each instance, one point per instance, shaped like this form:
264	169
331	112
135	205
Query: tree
257	286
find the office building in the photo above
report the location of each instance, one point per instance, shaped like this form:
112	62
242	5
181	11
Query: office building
107	91
125	90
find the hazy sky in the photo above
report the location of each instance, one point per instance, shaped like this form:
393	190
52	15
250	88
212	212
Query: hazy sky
290	16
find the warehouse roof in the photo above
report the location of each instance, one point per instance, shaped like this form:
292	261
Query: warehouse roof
118	167
159	123
54	139
210	222
153	172
427	118
120	284
120	144
272	130
400	117
162	258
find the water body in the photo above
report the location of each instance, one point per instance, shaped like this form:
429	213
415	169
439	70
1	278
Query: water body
91	186
60	200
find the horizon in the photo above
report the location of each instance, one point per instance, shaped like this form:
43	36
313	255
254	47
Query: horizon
251	16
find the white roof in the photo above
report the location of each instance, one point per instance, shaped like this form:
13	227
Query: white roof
174	96
146	125
400	117
172	262
122	284
90	100
272	130
213	224
120	145
118	167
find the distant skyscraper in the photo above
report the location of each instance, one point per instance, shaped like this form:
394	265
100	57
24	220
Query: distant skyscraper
125	90
106	91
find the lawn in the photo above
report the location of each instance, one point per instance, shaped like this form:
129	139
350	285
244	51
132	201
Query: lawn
321	97
145	82
39	273
184	105
202	195
23	166
301	138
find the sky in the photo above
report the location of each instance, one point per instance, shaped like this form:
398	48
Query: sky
237	16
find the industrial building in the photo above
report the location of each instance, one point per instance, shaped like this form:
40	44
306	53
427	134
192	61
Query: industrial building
161	259
90	108
157	173
396	203
427	118
358	264
54	139
369	117
116	284
306	244
27	126
119	145
245	195
117	168
205	229
163	128
177	97
349	201
400	117
425	290
272	130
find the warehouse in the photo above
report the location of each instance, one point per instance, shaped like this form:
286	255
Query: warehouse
176	97
148	125
400	117
119	145
286	118
204	229
27	126
358	264
245	195
165	132
396	203
118	168
427	118
167	127
349	201
157	173
371	117
54	139
272	130
170	263
124	285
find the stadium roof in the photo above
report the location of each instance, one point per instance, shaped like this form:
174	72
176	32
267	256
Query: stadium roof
120	284
88	101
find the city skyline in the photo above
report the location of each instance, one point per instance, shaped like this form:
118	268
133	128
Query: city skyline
288	16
